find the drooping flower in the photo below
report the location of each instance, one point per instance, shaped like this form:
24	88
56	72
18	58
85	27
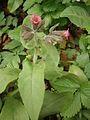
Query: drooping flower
36	20
66	34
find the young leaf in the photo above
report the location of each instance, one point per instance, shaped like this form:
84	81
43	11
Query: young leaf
14	4
7	75
77	15
13	110
32	88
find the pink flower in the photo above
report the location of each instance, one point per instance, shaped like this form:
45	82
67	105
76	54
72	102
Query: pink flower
66	34
36	20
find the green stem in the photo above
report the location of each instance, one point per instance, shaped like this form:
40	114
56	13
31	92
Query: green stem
35	49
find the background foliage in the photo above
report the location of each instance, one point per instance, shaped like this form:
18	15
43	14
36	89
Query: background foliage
57	85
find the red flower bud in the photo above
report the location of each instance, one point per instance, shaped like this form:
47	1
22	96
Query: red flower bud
66	34
36	20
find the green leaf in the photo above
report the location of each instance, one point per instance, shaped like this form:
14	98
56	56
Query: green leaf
14	4
2	19
66	83
56	101
87	70
11	45
82	59
74	118
51	56
10	20
72	107
48	20
77	15
13	110
9	58
28	44
15	33
86	113
54	72
32	88
78	72
50	5
29	3
57	12
7	75
71	52
36	9
83	43
66	1
88	2
85	94
0	104
27	22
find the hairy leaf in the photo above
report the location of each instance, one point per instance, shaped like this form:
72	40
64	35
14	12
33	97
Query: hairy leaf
31	87
51	58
